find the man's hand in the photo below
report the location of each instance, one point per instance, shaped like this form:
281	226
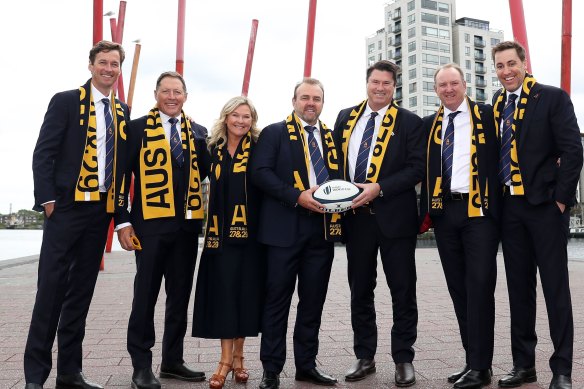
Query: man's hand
125	238
370	191
306	200
49	208
561	206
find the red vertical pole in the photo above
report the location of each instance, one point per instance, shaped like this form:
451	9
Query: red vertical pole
249	62
566	79
121	21
180	37
97	21
519	28
310	38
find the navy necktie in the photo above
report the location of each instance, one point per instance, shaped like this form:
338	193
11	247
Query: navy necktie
175	142
506	140
109	143
363	156
447	152
316	157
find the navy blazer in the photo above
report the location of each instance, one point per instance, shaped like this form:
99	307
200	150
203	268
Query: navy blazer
549	131
401	170
58	153
272	173
179	178
488	162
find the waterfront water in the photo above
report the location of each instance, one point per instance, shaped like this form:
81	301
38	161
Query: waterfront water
22	243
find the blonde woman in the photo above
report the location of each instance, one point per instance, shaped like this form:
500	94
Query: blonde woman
231	273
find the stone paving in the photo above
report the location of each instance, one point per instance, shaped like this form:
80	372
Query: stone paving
438	348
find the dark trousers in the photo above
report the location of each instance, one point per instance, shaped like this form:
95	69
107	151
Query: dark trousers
310	260
172	256
71	252
536	236
364	239
468	252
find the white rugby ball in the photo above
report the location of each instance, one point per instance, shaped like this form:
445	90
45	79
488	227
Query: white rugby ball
336	195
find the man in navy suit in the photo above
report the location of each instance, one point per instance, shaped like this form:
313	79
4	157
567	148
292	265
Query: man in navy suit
541	160
78	194
168	156
292	158
382	150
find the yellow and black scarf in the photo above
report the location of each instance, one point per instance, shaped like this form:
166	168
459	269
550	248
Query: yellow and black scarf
156	171
301	163
87	187
478	199
228	200
528	82
381	144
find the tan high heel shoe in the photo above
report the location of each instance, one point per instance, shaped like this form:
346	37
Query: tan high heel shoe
240	373
218	380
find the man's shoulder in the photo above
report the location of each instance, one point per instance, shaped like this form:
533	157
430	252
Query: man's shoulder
139	122
274	127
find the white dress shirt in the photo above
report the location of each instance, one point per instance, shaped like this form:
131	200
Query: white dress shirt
357	136
100	124
516	92
461	152
311	174
164	119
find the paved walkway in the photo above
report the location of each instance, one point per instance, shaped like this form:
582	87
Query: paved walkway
438	348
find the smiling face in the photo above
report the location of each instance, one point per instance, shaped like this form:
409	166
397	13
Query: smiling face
105	70
238	122
170	96
450	87
510	69
308	102
380	88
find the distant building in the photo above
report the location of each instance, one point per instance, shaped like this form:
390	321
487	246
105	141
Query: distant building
420	36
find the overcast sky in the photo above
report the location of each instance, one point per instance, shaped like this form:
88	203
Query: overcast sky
51	56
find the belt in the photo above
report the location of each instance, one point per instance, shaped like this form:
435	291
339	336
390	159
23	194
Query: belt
456	196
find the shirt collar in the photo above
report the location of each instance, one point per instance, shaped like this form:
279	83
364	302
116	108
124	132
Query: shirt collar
304	124
164	117
97	95
380	112
463	108
516	92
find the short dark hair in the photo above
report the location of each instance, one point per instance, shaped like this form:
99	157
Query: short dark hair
106	46
384	66
172	75
309	81
506	45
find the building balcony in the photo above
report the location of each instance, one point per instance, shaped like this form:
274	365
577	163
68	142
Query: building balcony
396	15
481	96
397	55
479	42
398	41
480	70
397	29
480	57
481	83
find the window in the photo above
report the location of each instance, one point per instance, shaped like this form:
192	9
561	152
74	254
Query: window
412	59
444	20
467	64
430	45
397	27
412	32
431	100
413	87
469	91
429	4
411	5
466	38
427	86
495	41
444	47
435	32
495	82
413	101
379	45
379	57
370	61
412	46
428	112
428	72
429	18
389	53
444	34
412	73
371	48
430	59
443	7
411	18
467	51
444	60
468	77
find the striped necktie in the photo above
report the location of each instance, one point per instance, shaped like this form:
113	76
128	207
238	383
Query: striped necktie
447	152
109	143
175	142
316	157
506	140
363	156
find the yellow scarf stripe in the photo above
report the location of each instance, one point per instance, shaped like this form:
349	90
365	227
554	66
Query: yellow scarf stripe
474	191
87	188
